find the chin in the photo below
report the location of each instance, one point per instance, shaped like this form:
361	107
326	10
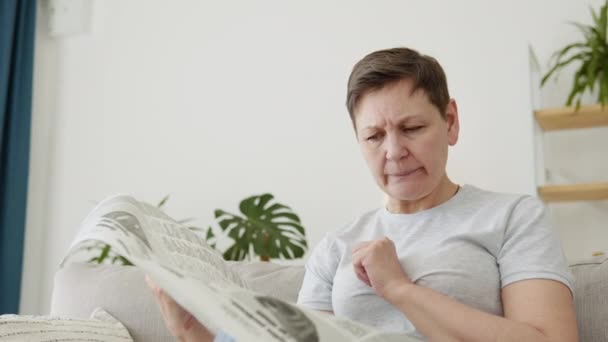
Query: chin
407	194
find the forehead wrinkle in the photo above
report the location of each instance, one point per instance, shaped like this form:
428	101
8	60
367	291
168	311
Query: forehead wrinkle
392	102
400	121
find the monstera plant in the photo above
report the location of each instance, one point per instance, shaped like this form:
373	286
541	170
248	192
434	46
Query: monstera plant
592	54
267	229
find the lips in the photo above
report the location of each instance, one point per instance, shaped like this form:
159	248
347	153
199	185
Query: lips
403	173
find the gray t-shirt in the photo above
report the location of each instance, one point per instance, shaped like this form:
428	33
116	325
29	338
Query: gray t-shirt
467	248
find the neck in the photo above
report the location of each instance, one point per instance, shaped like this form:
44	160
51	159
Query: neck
442	193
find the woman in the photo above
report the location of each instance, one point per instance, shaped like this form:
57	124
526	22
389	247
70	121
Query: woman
447	262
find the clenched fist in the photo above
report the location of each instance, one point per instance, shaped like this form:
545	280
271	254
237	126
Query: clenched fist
377	265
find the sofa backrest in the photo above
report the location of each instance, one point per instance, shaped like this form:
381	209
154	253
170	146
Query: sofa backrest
268	278
591	298
80	288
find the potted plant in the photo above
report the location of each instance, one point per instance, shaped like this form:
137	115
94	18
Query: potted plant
266	229
592	54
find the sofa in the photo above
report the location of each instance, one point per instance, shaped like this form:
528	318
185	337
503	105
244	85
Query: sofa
121	290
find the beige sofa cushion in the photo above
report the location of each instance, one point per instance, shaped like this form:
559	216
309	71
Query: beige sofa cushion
100	327
591	298
80	288
267	278
120	290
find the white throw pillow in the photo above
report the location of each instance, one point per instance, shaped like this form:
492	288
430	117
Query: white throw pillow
100	327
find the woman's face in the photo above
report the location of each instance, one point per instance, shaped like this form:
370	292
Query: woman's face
404	140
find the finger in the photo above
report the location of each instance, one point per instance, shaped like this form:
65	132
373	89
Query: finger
360	270
189	321
168	306
363	276
167	301
171	306
358	263
173	313
151	283
162	301
360	254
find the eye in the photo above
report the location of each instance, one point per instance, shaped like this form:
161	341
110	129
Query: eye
374	137
412	129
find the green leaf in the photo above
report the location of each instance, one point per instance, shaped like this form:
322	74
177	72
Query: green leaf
163	201
591	32
210	234
579	84
591	53
586	30
603	95
235	253
603	20
559	54
288	215
124	261
195	229
596	19
105	251
556	67
266	228
592	72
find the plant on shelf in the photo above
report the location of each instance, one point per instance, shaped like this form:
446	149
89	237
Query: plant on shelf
592	54
266	230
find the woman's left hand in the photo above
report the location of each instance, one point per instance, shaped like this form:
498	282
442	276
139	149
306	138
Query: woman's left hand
377	265
179	322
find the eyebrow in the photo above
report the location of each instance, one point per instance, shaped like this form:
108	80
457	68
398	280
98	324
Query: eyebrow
400	122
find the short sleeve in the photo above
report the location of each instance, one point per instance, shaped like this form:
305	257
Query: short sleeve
531	248
320	269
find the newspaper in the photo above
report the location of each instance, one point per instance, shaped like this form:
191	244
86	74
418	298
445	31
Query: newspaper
196	276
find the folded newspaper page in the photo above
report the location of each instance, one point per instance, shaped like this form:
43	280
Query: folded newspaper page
196	276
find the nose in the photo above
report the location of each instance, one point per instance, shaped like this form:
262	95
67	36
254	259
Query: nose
396	148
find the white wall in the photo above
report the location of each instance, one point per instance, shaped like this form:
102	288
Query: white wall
213	102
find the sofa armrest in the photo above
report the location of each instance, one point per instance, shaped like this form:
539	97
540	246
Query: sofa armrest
591	298
120	290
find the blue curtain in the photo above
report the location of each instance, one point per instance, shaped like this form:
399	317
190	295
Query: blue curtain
17	25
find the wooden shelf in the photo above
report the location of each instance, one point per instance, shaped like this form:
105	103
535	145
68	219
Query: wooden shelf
575	192
568	118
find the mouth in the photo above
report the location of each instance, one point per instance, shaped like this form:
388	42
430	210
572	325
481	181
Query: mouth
404	173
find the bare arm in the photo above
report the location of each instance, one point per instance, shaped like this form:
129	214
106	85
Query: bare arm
534	310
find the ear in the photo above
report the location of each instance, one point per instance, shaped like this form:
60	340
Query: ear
453	122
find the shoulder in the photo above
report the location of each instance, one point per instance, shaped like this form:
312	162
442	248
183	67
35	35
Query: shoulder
494	200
